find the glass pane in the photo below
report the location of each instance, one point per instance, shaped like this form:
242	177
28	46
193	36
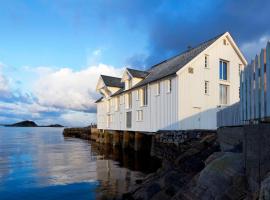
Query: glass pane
220	69
224	71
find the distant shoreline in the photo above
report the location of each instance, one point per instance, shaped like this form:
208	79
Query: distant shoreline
32	124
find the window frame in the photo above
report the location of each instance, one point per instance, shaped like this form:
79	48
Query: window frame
221	94
128	100
169	85
221	70
157	88
206	87
139	115
144	96
206	61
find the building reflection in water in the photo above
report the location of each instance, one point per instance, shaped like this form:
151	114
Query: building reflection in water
118	169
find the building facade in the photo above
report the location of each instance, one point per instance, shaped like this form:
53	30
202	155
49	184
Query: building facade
181	93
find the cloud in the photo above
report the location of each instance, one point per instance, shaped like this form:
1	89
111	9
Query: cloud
59	95
3	84
73	90
252	48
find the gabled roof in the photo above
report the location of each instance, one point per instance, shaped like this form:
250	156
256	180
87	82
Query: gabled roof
137	73
171	66
111	81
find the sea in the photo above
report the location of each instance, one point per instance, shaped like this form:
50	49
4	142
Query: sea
41	164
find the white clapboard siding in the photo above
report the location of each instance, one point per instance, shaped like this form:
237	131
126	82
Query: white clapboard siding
254	105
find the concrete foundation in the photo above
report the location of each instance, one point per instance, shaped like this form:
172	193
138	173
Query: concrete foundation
116	138
125	143
138	141
106	137
231	139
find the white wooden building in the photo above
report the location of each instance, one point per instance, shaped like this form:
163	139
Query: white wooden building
181	93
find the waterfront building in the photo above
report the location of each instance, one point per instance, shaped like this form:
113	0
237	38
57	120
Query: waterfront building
181	93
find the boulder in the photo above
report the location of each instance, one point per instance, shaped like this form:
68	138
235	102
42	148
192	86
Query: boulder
223	178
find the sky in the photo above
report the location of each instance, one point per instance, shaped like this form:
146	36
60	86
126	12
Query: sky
52	52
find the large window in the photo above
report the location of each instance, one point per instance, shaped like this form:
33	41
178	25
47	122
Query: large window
223	70
223	94
144	96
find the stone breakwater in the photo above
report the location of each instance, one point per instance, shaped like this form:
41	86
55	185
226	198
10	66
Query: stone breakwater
83	133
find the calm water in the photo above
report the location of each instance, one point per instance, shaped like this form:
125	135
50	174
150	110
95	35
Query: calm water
39	163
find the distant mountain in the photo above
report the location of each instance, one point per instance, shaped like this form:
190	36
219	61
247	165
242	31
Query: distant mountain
24	124
28	123
53	125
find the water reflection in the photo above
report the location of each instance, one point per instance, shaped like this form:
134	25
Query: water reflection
38	163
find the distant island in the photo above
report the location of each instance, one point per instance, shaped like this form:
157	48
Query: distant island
28	123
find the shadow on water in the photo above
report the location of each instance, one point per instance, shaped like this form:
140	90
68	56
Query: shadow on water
130	159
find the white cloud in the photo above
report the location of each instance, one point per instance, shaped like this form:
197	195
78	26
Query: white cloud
56	95
73	90
4	84
252	48
78	118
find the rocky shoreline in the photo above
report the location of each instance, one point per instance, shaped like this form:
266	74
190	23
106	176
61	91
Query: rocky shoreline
176	174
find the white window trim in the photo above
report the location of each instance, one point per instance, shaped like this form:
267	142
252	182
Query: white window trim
158	89
227	93
207	88
228	70
169	86
139	115
206	62
142	98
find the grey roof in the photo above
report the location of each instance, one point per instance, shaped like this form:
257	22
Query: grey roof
99	100
170	66
137	73
112	81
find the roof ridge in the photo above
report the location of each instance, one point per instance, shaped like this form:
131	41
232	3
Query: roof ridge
109	76
188	50
135	69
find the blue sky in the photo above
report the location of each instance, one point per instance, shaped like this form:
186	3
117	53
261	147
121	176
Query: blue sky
52	52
